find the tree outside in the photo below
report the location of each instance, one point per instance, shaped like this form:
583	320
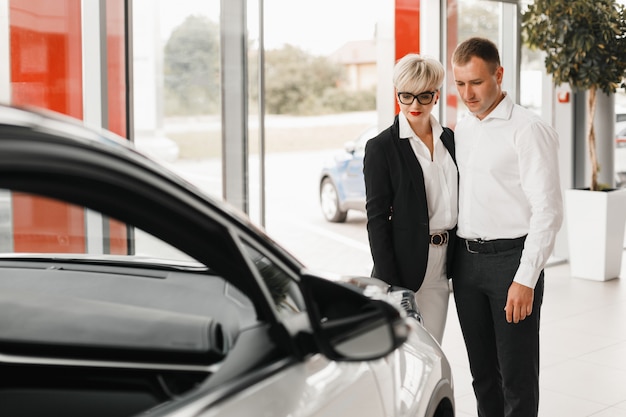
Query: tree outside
585	46
192	68
296	82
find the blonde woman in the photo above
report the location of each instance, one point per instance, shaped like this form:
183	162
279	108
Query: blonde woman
411	183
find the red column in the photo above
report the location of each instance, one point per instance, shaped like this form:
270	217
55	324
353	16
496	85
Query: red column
46	72
407	29
46	61
451	38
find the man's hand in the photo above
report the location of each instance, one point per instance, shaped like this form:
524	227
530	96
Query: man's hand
519	302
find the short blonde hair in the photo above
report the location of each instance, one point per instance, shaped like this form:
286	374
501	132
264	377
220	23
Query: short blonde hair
415	73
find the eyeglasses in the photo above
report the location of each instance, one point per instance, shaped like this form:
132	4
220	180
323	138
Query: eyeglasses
422	98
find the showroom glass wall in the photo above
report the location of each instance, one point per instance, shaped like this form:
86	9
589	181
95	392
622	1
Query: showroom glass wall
320	92
182	101
52	58
327	75
524	72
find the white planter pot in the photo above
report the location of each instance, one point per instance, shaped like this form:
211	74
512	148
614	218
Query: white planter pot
595	227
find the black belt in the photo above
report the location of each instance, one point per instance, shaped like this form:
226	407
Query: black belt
439	239
491	246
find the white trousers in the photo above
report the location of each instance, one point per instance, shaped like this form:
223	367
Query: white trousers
433	296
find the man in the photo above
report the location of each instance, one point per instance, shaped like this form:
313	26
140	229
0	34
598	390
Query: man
510	210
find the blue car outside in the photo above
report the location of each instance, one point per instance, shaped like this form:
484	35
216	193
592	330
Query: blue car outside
341	186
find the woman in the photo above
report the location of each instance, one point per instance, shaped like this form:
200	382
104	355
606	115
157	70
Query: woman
411	184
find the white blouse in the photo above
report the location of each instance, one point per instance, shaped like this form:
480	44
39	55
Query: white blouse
440	175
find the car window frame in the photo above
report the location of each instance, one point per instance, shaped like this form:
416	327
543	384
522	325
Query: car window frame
279	265
58	168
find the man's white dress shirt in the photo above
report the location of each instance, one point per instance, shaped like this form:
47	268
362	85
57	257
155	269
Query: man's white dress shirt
509	183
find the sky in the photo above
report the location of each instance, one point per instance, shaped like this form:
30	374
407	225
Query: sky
307	24
317	26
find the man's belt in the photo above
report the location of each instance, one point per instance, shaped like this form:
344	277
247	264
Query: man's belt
491	246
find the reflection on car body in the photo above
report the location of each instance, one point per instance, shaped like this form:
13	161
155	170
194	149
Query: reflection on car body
342	187
157	300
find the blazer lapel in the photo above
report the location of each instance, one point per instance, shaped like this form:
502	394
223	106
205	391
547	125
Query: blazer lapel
412	165
447	137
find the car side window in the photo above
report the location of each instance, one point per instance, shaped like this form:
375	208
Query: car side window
31	223
284	290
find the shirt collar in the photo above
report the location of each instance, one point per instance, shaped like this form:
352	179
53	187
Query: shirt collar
406	131
503	110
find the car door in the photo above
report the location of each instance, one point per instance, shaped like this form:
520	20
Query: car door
313	387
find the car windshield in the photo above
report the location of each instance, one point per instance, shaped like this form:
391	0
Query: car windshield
32	224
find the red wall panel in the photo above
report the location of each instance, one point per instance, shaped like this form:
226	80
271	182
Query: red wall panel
116	66
46	62
47	226
46	71
46	56
407	30
452	39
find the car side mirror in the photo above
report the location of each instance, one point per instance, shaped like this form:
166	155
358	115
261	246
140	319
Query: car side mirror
349	325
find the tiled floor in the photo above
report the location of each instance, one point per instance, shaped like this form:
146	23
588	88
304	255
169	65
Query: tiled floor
583	349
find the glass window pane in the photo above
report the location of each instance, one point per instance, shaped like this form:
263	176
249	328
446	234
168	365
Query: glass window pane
30	235
465	19
177	115
532	75
320	95
320	90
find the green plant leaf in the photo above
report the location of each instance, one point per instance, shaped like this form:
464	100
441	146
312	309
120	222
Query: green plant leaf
584	42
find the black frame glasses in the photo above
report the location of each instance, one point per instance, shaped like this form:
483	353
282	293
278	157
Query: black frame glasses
422	98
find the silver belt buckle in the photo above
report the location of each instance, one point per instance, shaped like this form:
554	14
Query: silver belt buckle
468	247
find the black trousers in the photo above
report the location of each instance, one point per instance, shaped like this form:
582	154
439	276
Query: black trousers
504	357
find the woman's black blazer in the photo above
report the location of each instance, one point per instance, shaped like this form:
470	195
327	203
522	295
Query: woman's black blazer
397	211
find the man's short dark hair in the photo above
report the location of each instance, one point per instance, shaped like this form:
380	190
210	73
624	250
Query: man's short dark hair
477	47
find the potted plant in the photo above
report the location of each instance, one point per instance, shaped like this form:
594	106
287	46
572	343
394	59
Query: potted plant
585	46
